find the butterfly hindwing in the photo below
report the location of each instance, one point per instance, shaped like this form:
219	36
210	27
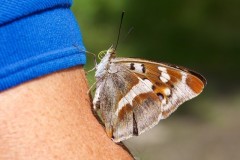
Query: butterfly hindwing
127	104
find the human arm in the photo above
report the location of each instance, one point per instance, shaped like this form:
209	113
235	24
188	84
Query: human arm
51	118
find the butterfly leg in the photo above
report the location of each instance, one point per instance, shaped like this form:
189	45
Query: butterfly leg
109	131
94	56
94	68
91	87
95	61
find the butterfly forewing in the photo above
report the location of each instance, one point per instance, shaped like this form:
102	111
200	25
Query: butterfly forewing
133	95
172	84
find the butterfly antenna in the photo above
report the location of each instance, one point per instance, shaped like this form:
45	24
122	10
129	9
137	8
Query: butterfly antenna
119	30
129	31
94	55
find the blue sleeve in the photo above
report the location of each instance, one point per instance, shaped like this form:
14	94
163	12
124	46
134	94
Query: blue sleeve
37	37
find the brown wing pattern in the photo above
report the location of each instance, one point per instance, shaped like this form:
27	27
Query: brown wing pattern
127	104
135	94
172	84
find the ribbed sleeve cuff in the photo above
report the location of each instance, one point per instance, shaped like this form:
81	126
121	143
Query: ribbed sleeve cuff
37	39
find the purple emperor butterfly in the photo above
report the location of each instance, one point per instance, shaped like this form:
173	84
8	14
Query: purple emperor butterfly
133	95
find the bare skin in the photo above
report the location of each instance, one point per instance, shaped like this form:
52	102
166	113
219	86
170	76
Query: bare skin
51	118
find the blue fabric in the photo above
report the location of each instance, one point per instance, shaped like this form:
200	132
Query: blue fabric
37	37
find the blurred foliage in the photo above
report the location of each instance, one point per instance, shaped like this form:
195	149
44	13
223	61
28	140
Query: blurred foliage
200	34
203	35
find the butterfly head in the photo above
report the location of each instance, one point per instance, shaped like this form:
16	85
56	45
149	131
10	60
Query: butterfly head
105	57
110	51
102	54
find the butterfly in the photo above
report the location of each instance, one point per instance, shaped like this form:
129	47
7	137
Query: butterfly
132	95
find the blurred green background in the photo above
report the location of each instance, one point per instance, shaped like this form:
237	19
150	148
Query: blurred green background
203	35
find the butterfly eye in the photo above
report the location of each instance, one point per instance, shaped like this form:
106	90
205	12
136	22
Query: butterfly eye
102	54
